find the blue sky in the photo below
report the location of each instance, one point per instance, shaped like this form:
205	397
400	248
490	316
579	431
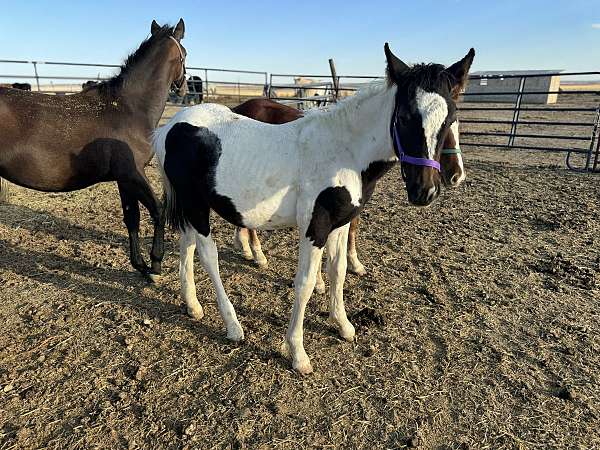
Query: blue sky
299	37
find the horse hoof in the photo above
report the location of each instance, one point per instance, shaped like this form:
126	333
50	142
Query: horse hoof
248	256
262	263
152	277
358	270
197	313
235	334
348	332
303	367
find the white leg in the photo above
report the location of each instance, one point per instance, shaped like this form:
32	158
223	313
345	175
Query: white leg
187	245
354	265
336	266
259	256
306	276
320	286
241	241
209	257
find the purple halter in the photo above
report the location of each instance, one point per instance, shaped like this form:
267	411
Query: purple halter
403	157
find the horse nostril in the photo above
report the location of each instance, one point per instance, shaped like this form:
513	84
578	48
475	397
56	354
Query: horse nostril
454	180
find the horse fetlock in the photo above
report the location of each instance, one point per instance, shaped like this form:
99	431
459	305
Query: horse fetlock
344	327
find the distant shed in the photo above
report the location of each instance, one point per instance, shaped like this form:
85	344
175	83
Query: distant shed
494	81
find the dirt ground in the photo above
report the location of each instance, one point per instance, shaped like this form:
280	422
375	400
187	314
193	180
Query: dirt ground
478	326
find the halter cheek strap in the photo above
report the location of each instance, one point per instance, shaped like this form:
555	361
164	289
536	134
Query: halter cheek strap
181	60
403	157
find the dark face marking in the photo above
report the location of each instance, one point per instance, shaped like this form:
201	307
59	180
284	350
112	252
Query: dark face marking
191	157
333	206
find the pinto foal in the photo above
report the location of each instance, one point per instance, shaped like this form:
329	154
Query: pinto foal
315	173
270	111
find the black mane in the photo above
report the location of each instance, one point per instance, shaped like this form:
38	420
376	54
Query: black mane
429	77
112	86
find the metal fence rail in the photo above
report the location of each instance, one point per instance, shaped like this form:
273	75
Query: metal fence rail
572	127
564	123
210	82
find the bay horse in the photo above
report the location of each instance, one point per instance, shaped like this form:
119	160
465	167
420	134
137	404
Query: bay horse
315	173
65	143
270	111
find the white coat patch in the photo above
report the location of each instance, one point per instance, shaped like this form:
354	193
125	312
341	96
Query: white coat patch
434	110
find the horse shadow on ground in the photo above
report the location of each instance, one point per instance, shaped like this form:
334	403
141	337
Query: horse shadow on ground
107	285
34	221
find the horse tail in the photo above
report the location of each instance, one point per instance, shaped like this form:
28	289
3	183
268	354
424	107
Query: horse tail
173	211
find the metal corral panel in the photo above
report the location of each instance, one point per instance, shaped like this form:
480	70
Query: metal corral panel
538	82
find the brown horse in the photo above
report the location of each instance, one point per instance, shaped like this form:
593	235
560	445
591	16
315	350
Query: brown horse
269	111
65	143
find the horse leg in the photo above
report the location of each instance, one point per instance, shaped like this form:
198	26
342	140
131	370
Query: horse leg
209	257
320	285
306	276
156	211
259	256
241	241
187	245
354	265
131	217
336	266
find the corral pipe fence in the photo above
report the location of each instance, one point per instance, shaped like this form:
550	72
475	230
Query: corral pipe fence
492	114
572	127
216	83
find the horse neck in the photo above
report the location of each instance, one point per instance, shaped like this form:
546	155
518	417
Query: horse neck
367	117
146	87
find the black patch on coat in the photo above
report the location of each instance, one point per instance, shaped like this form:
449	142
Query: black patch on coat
333	206
191	157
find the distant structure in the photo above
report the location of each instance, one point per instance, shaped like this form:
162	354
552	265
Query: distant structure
493	81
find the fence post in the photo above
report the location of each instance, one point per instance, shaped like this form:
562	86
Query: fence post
206	82
516	113
336	85
594	140
37	78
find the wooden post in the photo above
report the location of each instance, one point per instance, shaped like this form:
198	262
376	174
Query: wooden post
336	81
4	191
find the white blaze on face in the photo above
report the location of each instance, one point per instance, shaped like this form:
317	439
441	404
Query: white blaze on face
433	109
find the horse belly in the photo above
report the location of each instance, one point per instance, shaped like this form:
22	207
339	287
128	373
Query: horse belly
277	210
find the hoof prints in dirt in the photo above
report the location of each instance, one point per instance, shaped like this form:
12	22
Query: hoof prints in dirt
367	317
561	269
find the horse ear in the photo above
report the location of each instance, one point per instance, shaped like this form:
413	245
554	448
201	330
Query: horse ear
460	72
154	27
395	67
179	30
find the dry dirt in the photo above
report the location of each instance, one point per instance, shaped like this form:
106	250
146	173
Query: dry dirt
478	326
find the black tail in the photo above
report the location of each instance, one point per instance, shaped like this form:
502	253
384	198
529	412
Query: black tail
174	212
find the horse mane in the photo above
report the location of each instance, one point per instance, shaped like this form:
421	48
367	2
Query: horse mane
111	87
429	77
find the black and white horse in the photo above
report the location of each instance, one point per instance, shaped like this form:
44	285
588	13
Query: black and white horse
315	173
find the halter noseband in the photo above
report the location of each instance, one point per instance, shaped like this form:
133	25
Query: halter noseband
403	157
179	83
452	151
